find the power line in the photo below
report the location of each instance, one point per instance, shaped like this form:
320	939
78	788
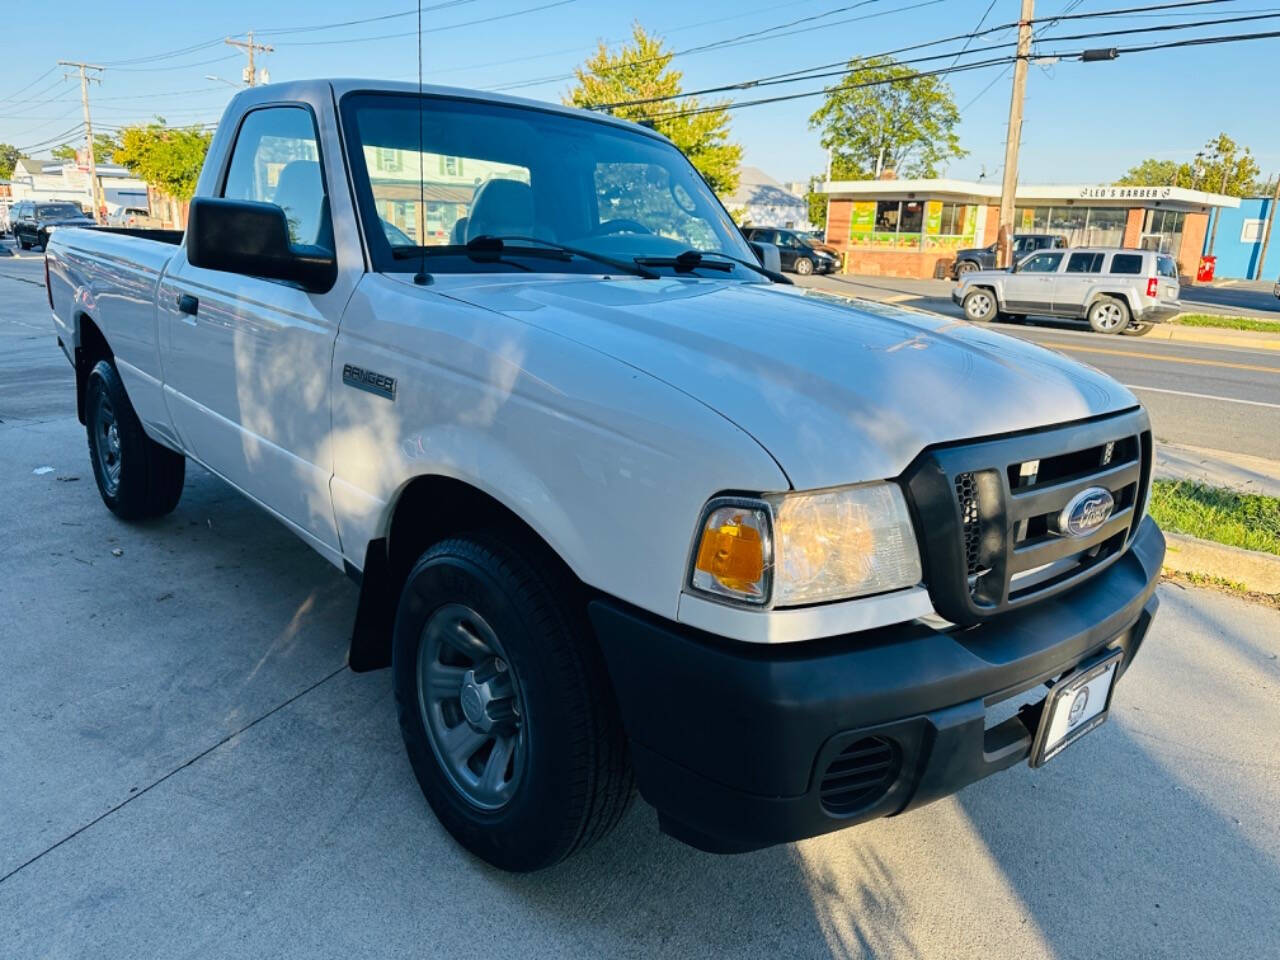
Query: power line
14	95
451	26
273	31
859	64
981	21
772	33
1073	55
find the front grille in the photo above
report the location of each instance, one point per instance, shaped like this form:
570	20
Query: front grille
990	512
859	775
967	496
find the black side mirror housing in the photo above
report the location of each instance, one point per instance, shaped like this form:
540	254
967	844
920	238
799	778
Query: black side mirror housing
250	238
767	254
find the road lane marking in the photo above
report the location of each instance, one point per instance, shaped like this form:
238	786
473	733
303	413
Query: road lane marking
1204	396
1155	356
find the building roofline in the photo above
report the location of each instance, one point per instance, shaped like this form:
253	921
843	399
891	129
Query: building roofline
975	190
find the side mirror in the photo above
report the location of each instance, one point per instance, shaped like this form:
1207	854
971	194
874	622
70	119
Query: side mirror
768	255
245	237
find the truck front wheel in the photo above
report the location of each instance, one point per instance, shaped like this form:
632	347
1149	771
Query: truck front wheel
137	477
505	706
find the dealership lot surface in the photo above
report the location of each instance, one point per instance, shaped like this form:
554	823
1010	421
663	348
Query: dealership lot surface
187	769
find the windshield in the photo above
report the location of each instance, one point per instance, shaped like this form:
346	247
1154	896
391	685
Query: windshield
491	170
49	210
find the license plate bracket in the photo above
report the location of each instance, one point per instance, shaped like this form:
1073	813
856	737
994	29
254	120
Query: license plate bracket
1068	713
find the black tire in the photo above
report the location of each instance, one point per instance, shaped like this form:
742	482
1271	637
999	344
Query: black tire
22	244
568	780
803	266
1013	318
980	305
1108	315
965	266
138	478
1137	329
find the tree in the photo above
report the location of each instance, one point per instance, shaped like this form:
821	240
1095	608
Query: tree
843	167
167	158
885	116
104	145
1223	166
9	157
639	71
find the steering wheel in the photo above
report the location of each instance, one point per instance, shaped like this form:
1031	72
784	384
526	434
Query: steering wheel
620	226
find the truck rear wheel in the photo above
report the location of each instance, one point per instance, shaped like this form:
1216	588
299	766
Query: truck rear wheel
980	305
505	706
1109	315
137	477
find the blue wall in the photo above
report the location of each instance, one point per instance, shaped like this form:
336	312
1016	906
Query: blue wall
1239	260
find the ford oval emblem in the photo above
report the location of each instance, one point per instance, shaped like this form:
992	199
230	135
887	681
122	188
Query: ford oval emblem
1086	512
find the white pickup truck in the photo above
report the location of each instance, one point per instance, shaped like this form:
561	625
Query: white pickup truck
625	509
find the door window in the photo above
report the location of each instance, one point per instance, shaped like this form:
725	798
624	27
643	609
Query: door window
1042	263
276	160
1084	263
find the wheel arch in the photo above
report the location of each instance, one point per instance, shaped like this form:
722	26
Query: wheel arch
1110	294
427	509
90	346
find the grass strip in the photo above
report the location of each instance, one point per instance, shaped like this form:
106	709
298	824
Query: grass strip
1228	323
1247	520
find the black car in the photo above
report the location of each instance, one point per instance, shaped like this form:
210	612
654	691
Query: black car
33	220
799	253
984	258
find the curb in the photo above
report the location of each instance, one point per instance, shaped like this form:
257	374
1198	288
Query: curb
1214	335
1257	571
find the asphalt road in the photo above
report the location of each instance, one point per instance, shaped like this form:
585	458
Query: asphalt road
1204	396
188	770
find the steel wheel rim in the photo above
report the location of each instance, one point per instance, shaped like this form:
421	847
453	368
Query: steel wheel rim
979	306
107	443
804	267
472	706
1108	316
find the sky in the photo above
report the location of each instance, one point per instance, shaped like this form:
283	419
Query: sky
1085	122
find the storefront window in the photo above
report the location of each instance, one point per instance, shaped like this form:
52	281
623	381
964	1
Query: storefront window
1162	230
898	223
954	218
1105	227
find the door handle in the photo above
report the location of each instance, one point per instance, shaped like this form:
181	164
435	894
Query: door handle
188	304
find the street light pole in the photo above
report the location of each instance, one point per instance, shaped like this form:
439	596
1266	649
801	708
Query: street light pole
1009	185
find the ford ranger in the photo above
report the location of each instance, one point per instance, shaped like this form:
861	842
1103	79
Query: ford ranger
625	508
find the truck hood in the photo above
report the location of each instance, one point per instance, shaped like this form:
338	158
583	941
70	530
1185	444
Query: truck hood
837	391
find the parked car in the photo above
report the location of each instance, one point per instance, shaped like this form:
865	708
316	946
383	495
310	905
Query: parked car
621	507
135	217
799	253
1115	290
984	258
35	221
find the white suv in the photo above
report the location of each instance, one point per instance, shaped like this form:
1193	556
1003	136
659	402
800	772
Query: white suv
1115	290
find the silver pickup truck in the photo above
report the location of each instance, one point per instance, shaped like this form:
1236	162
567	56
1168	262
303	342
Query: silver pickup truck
623	508
1115	290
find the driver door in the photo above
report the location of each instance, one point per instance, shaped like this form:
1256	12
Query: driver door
248	360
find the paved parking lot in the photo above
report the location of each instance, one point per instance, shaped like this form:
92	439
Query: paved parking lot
188	770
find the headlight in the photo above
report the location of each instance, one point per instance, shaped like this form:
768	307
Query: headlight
801	548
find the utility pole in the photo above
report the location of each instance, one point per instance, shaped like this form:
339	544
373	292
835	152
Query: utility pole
88	125
1009	186
1267	230
249	47
1228	161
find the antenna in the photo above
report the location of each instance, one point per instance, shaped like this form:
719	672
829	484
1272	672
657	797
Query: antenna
421	277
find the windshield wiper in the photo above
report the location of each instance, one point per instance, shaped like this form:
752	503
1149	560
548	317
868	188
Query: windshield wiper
692	259
689	260
489	247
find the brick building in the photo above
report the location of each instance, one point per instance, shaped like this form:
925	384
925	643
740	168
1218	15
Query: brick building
912	228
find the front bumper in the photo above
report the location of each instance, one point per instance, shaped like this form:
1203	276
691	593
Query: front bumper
731	742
